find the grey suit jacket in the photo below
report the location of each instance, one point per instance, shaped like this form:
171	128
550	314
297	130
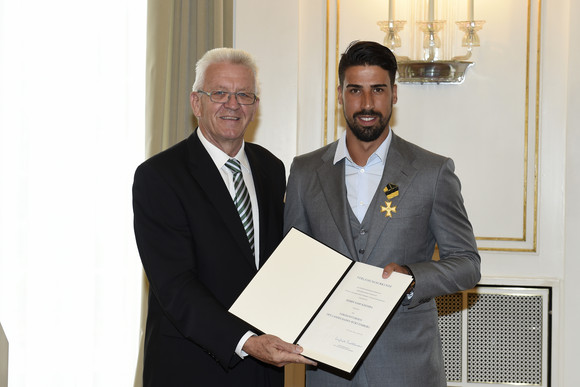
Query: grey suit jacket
429	211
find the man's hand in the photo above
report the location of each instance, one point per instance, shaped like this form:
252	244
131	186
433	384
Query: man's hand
391	267
273	350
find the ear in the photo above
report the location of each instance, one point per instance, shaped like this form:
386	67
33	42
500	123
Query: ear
195	102
339	94
395	98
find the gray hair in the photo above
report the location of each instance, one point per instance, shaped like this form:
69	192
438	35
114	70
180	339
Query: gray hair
223	55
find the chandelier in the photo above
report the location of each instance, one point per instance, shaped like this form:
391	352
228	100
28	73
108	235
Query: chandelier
431	68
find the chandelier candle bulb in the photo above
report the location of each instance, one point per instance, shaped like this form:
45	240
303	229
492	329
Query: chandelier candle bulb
469	10
431	10
391	10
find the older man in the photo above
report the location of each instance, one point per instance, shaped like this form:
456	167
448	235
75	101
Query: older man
208	213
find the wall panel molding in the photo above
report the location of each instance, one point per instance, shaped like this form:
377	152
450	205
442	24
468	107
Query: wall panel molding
497	161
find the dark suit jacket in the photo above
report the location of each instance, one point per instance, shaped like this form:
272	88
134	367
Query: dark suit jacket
429	210
198	260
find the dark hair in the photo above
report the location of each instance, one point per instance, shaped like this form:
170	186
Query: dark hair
364	53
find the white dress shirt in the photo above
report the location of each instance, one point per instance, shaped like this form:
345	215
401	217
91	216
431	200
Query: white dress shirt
220	158
362	182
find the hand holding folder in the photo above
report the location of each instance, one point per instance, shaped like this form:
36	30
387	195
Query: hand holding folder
313	296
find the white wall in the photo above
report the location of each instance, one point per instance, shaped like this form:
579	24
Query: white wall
570	351
292	122
269	30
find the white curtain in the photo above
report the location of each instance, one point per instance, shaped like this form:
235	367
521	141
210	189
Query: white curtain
179	32
72	112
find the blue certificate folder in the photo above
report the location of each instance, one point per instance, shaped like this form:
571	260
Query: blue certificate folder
308	294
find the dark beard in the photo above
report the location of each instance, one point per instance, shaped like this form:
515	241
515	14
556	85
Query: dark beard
368	133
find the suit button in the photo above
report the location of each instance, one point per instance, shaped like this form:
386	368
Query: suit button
363	231
361	251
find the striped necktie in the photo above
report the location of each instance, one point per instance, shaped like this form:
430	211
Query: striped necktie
242	200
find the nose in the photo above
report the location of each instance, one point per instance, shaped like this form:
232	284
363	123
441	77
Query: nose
367	100
232	102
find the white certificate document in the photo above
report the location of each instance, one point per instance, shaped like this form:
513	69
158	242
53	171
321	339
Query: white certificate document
351	318
309	294
290	287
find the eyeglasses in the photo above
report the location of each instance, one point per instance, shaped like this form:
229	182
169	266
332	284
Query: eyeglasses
220	96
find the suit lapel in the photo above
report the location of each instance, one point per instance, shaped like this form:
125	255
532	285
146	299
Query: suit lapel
331	179
259	177
204	171
398	170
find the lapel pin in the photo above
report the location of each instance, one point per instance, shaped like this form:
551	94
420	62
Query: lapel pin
391	190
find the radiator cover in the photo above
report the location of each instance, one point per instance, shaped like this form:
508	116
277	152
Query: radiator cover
496	336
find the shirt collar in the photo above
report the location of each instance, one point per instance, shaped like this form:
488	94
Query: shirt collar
219	157
381	152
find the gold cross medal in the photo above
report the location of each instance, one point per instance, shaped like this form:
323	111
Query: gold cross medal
392	191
